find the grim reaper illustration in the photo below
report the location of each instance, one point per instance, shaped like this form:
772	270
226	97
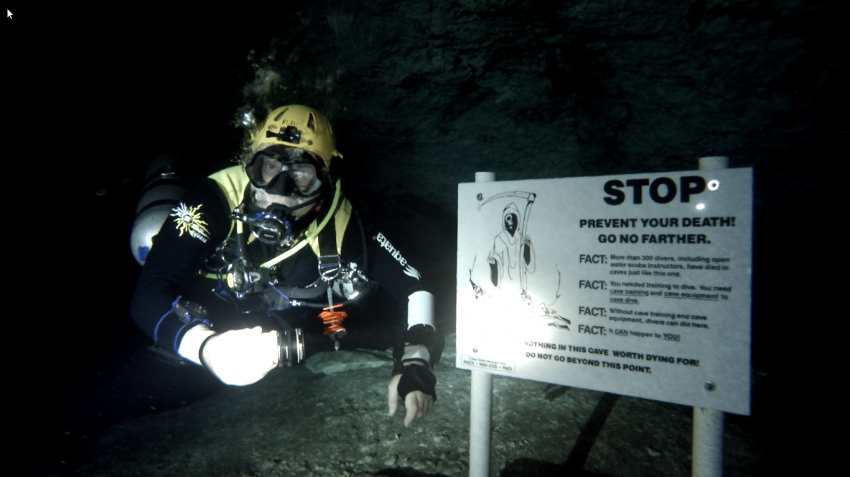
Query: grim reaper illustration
512	258
509	247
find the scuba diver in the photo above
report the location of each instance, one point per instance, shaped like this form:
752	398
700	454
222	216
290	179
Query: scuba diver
286	257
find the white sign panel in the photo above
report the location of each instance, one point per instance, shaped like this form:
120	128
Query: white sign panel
633	284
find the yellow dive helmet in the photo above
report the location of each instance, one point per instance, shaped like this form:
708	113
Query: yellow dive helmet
298	126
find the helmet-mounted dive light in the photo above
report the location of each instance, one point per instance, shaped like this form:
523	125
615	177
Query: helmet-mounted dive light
289	134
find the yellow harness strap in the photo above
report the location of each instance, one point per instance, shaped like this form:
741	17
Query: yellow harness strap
232	182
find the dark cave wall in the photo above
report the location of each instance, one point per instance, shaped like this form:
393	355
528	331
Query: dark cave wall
425	93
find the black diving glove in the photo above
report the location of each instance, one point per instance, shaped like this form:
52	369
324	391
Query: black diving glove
416	377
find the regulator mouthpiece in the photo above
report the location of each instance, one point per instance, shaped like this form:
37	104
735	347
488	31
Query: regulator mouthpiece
270	226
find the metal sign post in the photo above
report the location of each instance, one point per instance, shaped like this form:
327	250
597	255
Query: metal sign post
707	447
480	403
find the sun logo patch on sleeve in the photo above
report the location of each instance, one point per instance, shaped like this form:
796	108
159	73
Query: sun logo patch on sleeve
188	219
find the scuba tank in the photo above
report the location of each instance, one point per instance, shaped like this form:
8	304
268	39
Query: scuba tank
162	192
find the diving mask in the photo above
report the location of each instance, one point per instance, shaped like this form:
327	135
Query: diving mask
285	171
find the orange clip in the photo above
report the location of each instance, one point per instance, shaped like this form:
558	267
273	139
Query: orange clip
332	319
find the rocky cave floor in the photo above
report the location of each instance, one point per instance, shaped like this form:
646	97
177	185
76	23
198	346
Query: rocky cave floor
330	418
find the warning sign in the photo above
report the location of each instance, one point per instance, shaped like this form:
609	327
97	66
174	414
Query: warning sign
631	284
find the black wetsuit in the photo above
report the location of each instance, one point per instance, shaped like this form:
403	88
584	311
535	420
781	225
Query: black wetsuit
175	267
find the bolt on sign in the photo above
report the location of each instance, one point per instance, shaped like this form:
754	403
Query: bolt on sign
635	284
